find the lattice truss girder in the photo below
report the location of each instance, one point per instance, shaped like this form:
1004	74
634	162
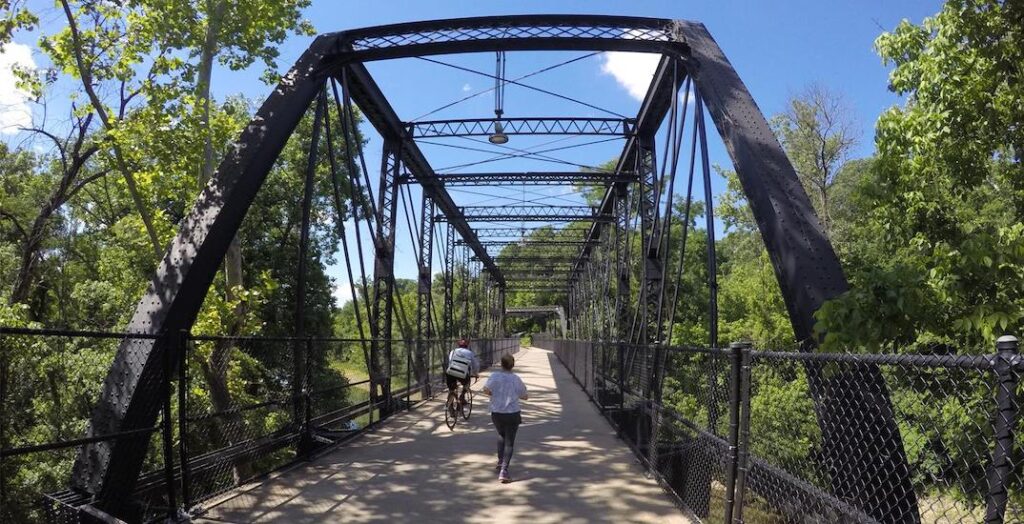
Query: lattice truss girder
522	28
539	178
527	213
576	126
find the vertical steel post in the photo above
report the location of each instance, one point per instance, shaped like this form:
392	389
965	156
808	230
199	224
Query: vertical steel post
167	432
709	214
384	269
652	278
306	442
736	351
186	485
652	270
423	297
1008	360
622	295
308	188
449	286
465	325
621	318
3	414
501	311
743	466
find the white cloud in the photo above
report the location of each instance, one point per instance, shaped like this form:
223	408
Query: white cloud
466	88
15	111
632	71
342	293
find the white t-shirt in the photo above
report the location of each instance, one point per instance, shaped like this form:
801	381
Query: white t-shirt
506	388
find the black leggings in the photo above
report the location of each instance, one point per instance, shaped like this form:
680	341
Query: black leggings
507	425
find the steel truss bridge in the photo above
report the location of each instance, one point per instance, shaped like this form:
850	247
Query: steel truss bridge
613	279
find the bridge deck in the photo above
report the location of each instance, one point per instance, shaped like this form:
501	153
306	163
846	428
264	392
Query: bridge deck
568	467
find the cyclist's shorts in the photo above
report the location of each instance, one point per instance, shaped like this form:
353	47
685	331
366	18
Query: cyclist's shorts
451	381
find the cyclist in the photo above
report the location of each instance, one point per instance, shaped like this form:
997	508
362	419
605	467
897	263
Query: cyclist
462	364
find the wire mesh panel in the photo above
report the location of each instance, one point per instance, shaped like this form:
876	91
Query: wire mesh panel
770	437
693	447
805	418
244	409
48	390
335	400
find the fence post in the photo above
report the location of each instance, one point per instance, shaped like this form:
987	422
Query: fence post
306	445
408	373
621	347
735	378
3	416
186	488
743	444
167	431
1007	359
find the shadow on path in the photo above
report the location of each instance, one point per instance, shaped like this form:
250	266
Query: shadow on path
568	467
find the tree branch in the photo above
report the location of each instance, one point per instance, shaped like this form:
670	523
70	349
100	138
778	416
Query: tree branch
14	220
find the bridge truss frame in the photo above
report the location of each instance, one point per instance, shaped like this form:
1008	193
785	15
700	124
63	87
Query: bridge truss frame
598	288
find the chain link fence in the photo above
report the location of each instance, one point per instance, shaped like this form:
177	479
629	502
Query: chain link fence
740	435
232	409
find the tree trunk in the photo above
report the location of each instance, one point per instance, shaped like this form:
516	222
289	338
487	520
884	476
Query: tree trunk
216	371
231	426
85	73
34	236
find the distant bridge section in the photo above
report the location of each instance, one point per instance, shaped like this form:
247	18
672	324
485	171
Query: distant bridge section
539	311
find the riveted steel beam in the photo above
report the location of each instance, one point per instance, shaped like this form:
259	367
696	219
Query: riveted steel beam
511	33
527	214
576	126
539	178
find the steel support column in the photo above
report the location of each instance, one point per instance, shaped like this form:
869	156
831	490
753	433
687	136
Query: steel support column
501	311
423	298
449	284
646	331
384	274
622	298
299	349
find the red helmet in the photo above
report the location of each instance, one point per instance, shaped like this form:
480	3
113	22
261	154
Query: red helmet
463	343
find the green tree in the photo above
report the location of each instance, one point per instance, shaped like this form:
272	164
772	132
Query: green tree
818	133
947	194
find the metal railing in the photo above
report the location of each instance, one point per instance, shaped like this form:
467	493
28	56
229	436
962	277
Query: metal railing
232	409
740	435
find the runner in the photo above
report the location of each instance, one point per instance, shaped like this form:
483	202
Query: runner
506	389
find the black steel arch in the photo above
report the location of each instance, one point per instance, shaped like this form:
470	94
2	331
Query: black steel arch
804	261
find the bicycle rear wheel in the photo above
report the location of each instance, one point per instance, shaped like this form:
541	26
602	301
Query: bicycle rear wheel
467	408
451	417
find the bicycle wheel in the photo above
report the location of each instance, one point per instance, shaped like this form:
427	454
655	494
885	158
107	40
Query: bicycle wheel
467	408
451	417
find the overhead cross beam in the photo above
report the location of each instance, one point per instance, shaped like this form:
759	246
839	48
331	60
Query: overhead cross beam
538	178
499	232
527	214
562	259
576	126
530	243
378	111
512	33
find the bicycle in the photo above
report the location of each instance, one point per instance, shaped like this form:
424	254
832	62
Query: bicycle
454	409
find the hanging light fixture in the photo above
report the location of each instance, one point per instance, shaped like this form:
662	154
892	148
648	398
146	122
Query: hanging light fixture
499	137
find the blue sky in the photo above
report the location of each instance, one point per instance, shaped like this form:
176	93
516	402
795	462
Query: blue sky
778	48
